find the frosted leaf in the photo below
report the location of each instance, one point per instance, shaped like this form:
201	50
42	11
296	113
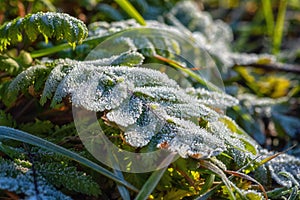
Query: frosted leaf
213	99
72	80
26	78
141	77
140	134
55	77
104	29
284	169
192	109
100	99
21	182
129	59
166	94
83	73
138	138
91	88
234	141
189	15
121	45
143	102
251	100
221	33
128	112
188	139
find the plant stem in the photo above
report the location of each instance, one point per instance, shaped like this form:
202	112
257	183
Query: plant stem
269	17
189	71
278	32
58	48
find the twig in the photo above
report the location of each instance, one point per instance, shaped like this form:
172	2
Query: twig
274	67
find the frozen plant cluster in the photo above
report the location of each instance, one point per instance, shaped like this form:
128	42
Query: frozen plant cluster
19	179
146	104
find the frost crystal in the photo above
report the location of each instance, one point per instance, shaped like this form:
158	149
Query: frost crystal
128	112
213	99
285	169
188	139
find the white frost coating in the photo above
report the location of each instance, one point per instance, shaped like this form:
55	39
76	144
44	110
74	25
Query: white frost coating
128	112
145	77
55	77
139	135
25	78
166	94
190	140
95	97
192	109
220	130
148	107
23	184
285	169
213	99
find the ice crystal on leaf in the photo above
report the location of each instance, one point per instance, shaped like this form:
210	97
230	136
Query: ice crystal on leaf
13	179
284	168
127	113
57	25
32	75
213	99
55	77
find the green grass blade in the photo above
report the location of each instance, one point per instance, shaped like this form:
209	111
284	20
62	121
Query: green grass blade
208	165
278	32
209	193
208	184
122	189
131	11
249	178
14	134
151	183
269	17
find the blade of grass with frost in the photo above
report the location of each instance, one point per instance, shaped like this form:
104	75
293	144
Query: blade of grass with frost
278	192
14	134
131	11
295	194
264	161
